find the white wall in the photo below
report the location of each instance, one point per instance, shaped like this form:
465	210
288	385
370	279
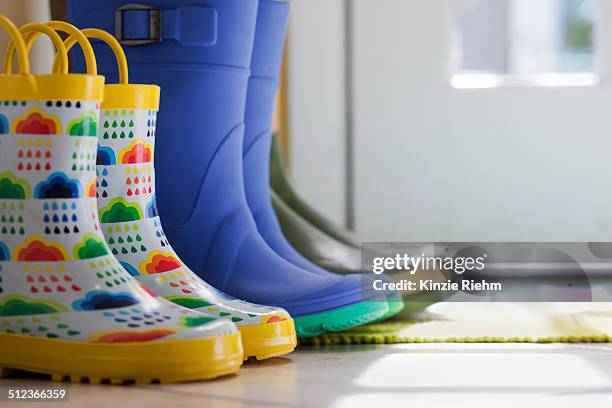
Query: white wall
436	163
509	164
316	103
29	11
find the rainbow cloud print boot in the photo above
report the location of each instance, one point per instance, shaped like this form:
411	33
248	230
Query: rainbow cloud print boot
67	306
126	201
201	59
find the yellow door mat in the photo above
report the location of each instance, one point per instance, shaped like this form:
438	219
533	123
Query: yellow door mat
485	323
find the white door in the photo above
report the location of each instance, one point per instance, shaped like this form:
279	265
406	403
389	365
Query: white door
436	155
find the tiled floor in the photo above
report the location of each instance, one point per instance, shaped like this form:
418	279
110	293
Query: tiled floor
457	375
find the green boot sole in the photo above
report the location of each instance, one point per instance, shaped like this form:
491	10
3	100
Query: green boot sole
340	319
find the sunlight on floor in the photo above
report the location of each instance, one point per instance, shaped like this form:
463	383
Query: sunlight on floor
467	400
473	370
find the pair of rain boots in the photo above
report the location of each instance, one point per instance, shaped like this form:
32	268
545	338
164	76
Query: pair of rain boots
217	62
68	306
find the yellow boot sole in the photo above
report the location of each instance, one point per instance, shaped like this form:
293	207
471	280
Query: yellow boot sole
120	363
269	339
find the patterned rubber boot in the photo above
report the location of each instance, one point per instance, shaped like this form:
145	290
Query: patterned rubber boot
67	306
201	59
126	199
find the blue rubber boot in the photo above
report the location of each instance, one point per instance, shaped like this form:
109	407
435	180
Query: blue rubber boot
265	67
201	59
266	61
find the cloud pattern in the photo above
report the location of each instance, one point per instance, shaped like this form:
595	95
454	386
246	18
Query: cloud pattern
152	209
138	152
106	156
5	254
58	185
128	267
18	305
13	188
159	262
91	247
119	210
134	336
91	189
4	125
102	300
36	123
36	249
86	125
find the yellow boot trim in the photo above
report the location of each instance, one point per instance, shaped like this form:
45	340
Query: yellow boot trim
269	339
120	363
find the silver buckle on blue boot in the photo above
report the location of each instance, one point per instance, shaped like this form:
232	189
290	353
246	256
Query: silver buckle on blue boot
154	34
